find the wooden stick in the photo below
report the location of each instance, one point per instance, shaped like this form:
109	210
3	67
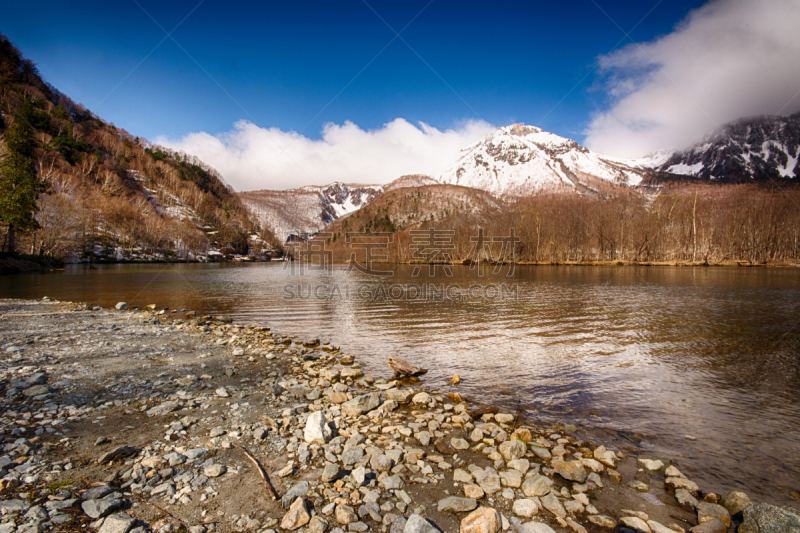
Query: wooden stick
260	469
184	522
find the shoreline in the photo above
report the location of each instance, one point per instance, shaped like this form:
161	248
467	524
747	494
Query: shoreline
653	264
391	449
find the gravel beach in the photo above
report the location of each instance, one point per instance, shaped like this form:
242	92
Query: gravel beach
124	420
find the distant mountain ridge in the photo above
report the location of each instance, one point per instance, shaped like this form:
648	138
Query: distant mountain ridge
752	148
306	209
520	161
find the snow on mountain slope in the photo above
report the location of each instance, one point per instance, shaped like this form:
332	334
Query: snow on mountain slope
307	209
520	160
749	148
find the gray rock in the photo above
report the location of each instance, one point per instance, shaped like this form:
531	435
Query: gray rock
102	507
361	404
455	504
37	512
418	524
540	451
36	390
551	503
298	491
351	457
398	525
121	306
371	510
164	408
117	523
393	482
97	493
330	473
398	395
39	378
765	518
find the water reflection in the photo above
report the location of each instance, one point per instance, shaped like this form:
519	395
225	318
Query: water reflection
660	352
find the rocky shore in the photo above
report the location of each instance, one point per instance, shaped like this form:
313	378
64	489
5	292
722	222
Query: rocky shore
150	420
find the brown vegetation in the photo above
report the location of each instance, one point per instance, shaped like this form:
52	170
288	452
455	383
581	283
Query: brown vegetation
699	223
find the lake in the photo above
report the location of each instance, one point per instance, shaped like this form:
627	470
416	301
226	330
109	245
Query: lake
696	364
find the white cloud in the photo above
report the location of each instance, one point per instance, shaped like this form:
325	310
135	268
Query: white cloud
727	60
250	157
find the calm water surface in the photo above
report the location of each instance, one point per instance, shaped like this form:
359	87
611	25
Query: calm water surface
654	354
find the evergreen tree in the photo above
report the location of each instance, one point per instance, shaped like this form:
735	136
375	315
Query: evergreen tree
19	187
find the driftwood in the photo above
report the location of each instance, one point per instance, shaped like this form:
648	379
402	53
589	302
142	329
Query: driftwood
264	477
403	367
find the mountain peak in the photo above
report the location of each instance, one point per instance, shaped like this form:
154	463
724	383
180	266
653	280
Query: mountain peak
520	160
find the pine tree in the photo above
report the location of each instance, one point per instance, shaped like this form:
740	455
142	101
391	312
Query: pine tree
19	187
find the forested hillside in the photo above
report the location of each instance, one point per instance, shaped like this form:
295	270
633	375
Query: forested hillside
675	223
74	186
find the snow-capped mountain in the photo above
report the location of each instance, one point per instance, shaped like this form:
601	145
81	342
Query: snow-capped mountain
749	148
307	209
520	160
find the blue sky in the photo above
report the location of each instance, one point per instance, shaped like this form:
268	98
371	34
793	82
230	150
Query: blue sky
296	66
284	61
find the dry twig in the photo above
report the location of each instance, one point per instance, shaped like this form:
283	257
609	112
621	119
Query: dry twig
260	469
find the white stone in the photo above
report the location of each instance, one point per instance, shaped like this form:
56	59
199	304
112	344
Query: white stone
317	430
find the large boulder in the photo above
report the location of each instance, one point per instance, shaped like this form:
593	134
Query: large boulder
765	518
